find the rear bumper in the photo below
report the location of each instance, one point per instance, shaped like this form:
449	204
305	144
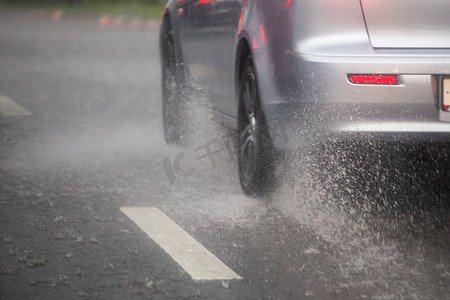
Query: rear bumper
329	106
291	131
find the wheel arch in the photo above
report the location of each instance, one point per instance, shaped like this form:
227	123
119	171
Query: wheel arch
242	53
263	66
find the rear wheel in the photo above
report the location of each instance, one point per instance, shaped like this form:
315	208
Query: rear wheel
172	89
255	163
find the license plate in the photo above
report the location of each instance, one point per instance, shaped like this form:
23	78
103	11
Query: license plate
446	93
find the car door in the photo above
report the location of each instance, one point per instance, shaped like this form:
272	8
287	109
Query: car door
194	18
225	23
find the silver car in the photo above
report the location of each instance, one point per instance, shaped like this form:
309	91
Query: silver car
280	70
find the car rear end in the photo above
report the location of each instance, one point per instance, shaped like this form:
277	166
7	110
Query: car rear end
374	68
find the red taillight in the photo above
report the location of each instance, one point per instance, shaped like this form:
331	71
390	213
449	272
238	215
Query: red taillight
373	79
446	107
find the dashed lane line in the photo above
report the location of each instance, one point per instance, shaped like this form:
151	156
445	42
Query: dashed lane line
193	257
10	108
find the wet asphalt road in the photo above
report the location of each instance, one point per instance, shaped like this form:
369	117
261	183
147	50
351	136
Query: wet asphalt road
93	143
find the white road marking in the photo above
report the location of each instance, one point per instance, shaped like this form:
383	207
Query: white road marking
195	259
11	108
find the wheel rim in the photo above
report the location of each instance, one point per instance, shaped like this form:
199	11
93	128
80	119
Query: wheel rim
249	131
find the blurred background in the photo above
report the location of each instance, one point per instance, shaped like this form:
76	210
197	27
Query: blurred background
140	8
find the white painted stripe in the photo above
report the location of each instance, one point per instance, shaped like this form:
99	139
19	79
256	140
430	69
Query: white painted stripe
11	108
195	259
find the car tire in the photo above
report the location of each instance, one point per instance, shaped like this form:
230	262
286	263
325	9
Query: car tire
255	148
172	82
